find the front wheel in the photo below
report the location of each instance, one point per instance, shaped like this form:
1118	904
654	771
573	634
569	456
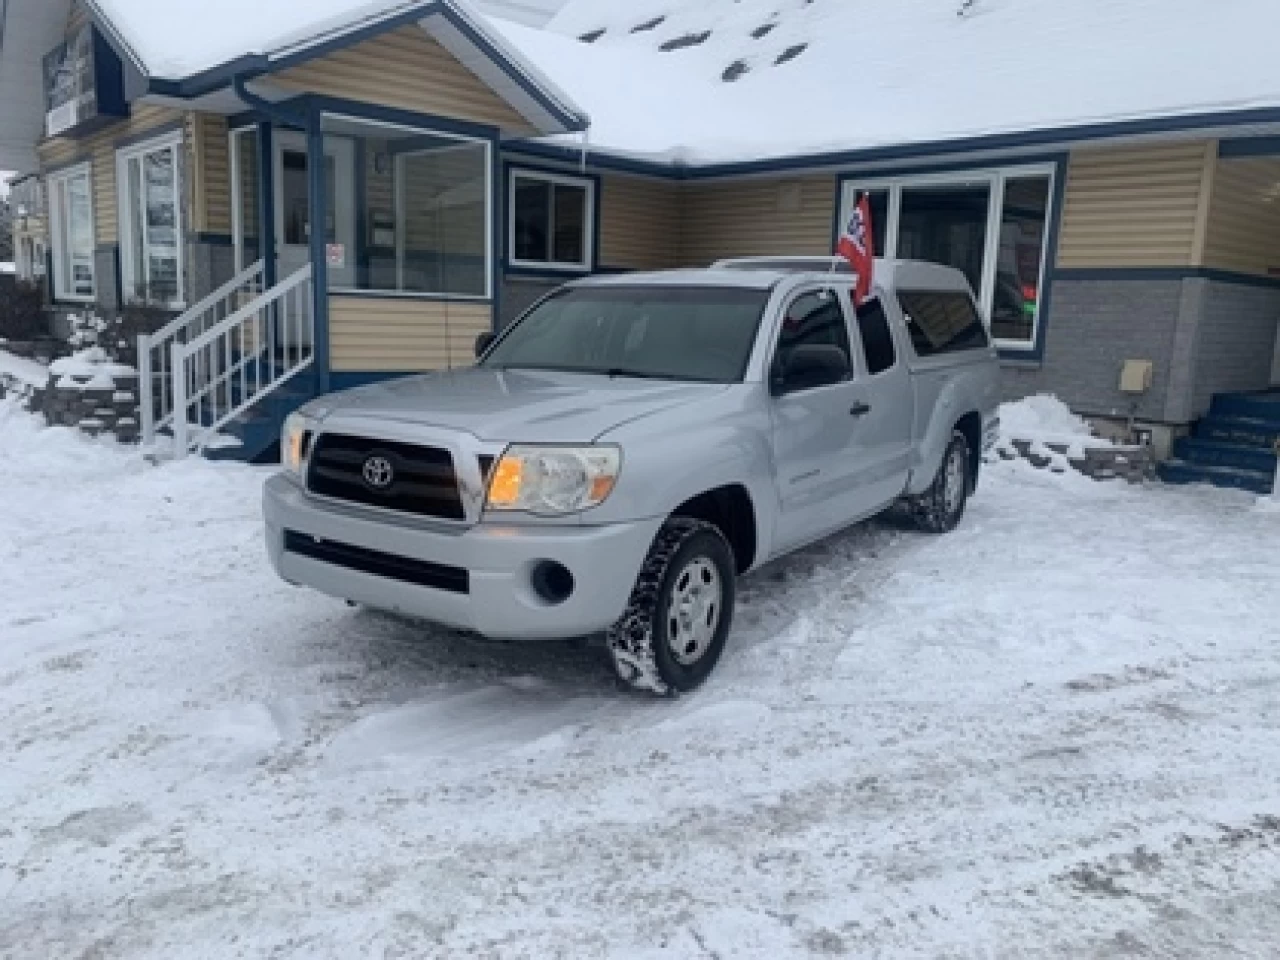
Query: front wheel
940	508
681	608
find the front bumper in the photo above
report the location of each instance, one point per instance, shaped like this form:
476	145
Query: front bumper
497	598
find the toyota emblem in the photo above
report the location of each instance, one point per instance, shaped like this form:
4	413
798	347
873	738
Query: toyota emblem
378	472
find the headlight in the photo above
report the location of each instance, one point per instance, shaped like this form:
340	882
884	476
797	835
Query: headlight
553	480
295	442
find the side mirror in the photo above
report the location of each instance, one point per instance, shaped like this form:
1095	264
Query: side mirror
483	342
810	366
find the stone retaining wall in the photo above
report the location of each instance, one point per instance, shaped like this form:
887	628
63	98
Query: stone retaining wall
1133	464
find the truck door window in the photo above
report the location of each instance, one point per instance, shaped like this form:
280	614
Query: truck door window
813	345
877	340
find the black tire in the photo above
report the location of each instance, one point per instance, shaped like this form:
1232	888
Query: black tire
939	509
641	642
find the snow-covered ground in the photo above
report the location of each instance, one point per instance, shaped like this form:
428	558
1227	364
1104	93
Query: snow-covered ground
1053	733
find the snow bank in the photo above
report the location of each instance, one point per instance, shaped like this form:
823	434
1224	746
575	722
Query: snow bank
1046	423
27	371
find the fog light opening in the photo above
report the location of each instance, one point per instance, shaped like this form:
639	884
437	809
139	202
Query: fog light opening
551	581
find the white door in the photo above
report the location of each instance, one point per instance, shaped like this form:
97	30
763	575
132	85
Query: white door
293	216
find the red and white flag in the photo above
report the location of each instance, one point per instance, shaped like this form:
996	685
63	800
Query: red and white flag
857	246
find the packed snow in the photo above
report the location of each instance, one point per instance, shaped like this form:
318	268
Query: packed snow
1042	420
19	368
89	369
1052	733
886	73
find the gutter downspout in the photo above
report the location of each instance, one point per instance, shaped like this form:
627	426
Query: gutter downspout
309	122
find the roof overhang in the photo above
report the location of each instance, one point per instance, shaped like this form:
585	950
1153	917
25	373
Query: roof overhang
28	30
1261	125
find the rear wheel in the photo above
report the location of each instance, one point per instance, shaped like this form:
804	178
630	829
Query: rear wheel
681	608
940	508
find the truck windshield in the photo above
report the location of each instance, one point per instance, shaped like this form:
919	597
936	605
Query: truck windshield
670	333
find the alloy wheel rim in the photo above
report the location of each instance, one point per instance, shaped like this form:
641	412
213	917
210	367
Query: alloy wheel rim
697	598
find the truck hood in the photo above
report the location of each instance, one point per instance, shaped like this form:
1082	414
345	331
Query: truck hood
528	406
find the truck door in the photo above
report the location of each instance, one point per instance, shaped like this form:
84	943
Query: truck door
886	395
811	382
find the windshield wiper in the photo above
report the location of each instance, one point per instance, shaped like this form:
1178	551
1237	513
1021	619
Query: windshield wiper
638	374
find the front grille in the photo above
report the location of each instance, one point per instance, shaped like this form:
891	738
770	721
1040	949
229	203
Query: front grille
423	478
439	576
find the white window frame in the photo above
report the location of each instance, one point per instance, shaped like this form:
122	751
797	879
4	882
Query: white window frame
462	140
59	239
237	190
129	276
994	178
586	265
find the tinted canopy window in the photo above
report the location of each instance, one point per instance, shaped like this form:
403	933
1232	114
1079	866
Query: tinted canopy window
677	333
942	321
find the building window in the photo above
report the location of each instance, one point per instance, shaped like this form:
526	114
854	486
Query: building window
71	210
551	221
151	222
991	225
408	211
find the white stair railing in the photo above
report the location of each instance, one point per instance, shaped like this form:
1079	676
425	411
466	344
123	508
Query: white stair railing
155	374
229	367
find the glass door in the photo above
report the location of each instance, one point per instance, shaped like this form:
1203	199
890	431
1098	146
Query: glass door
293	208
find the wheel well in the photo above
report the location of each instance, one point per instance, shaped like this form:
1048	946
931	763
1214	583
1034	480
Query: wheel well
971	426
729	509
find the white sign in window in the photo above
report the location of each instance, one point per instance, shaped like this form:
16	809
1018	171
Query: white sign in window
551	221
71	212
151	222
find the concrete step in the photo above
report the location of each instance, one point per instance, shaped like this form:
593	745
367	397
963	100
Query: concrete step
1264	406
1181	472
1244	431
1217	453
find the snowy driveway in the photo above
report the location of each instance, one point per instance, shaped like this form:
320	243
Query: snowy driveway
1055	732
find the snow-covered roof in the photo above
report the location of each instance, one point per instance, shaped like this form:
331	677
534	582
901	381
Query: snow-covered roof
178	40
720	81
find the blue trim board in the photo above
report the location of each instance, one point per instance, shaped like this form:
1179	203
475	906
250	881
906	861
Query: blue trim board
347	292
1045	308
318	189
349	379
361	252
1249	147
266	204
509	169
497	213
214	239
1172	274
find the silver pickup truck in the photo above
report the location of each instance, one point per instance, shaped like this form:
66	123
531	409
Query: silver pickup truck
633	444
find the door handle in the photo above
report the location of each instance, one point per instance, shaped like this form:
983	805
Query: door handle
859	409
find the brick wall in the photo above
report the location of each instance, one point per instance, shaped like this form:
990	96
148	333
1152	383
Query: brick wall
1095	326
1237	340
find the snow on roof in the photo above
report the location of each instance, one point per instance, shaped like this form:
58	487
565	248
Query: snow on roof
180	39
726	80
176	39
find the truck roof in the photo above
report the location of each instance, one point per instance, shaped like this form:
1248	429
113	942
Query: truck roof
764	272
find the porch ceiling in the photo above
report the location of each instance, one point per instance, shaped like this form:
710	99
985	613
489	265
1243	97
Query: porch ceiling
30	29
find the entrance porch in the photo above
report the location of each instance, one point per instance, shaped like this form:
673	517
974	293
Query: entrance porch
400	276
